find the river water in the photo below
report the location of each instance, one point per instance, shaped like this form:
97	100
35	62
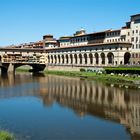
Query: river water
38	107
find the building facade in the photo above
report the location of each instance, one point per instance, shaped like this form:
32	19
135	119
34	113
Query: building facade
106	48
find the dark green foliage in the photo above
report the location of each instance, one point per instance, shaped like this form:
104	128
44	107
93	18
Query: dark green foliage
82	70
123	70
4	135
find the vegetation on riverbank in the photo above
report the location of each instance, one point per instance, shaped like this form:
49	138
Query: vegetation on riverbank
124	70
4	135
96	76
22	70
113	78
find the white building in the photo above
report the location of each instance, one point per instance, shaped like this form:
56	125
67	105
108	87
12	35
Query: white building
126	41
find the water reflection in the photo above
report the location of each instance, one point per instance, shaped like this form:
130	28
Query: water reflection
83	97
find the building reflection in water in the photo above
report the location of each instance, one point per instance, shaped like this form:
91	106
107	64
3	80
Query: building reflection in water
83	97
97	99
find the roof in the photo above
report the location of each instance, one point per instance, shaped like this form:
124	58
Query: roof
23	49
64	37
114	30
135	15
94	33
90	45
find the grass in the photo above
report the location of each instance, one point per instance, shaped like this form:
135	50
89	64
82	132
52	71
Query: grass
4	135
115	79
22	70
93	75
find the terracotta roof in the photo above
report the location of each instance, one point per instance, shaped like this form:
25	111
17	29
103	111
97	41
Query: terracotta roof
23	49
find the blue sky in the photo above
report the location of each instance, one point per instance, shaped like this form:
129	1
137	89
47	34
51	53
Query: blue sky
28	20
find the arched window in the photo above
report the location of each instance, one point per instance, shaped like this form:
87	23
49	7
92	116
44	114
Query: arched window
62	59
51	59
85	58
59	59
67	59
110	57
103	58
80	57
48	59
91	58
71	59
75	57
97	58
127	56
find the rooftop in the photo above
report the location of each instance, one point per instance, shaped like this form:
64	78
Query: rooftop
135	15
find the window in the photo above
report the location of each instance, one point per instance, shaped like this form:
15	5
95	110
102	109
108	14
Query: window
136	31
132	39
128	33
133	46
133	31
137	21
133	55
136	39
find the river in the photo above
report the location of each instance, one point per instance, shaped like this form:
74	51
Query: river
38	107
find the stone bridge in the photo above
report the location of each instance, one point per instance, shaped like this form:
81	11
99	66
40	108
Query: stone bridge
10	59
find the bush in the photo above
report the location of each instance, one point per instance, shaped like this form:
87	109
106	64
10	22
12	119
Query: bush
124	70
82	70
4	135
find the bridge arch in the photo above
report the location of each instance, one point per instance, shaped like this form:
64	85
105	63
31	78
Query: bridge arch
35	67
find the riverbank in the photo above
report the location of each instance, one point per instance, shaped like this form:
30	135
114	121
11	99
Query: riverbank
113	80
117	80
4	135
